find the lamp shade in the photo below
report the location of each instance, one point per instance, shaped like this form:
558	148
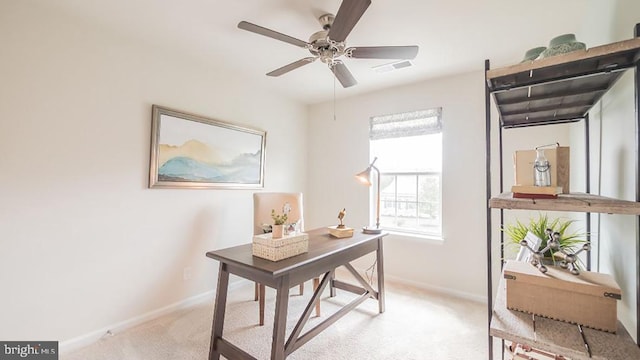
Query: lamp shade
365	176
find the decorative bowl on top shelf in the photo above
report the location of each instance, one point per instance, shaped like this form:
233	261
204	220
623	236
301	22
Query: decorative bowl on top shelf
534	53
563	44
562	39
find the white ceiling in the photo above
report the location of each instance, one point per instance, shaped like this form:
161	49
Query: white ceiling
455	36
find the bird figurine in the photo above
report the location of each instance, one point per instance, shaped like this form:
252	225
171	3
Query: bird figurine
340	217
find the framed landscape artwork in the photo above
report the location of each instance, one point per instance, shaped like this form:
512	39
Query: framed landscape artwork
191	151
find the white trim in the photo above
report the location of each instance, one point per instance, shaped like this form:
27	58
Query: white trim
438	289
93	336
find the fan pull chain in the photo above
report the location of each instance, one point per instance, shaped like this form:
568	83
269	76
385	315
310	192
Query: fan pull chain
334	98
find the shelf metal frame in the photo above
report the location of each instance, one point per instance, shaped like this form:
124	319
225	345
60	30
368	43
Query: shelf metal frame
621	57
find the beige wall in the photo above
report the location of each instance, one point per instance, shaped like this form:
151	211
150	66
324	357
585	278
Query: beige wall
613	164
616	234
84	244
338	149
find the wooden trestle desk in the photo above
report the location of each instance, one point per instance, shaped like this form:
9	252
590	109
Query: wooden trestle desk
326	253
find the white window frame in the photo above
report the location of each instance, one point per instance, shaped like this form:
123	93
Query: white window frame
414	123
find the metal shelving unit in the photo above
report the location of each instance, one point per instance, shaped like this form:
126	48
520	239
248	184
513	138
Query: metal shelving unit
556	90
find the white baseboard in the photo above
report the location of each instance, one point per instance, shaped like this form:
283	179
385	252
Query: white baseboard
93	336
438	289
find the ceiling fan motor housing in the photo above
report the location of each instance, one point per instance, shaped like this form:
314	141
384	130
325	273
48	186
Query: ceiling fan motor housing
319	39
323	47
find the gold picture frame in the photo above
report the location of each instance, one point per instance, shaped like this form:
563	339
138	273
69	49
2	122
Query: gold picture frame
193	151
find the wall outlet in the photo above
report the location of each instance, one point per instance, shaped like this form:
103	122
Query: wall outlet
187	273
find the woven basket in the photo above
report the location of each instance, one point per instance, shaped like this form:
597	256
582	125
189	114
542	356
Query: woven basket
277	249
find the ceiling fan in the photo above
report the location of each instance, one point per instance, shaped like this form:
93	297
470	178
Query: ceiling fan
328	45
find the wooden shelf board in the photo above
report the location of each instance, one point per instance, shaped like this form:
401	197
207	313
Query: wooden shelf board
558	337
605	343
578	202
597	53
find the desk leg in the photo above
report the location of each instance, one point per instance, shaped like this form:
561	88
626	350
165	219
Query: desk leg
380	260
262	291
218	312
280	319
332	289
316	283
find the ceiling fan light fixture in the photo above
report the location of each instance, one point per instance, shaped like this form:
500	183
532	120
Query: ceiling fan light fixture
327	56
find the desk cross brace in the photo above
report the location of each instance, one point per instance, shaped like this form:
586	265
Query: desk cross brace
295	341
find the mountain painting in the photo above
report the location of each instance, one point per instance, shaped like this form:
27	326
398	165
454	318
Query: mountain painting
182	164
201	152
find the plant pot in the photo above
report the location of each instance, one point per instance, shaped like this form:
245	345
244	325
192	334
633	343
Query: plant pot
548	261
277	231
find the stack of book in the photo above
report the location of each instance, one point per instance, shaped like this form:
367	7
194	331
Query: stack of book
338	232
536	192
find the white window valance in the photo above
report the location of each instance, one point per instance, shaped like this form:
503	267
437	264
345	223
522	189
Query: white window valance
413	123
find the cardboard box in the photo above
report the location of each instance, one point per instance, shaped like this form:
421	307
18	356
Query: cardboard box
588	299
264	246
559	166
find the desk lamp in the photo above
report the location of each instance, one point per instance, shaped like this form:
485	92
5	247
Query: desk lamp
365	178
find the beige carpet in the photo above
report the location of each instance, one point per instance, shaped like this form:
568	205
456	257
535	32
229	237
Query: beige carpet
417	324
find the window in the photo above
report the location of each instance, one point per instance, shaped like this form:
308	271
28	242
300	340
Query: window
409	151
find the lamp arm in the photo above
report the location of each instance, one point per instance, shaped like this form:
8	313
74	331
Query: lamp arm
377	194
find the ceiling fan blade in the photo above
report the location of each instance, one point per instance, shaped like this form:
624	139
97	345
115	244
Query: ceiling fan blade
294	65
343	74
272	34
383	52
348	15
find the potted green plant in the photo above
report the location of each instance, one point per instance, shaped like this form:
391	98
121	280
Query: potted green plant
278	224
569	241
